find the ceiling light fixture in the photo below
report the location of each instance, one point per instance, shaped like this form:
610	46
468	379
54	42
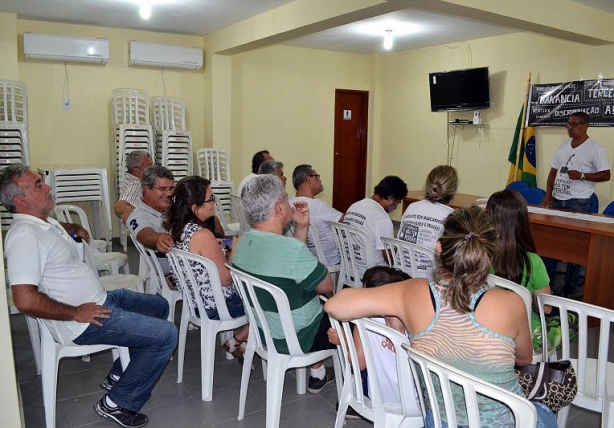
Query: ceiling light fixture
388	40
145	10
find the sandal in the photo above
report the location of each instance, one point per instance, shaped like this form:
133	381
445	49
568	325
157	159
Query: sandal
233	346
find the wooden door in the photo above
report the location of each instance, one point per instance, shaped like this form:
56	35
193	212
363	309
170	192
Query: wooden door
350	165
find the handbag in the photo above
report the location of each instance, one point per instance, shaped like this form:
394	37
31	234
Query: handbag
552	383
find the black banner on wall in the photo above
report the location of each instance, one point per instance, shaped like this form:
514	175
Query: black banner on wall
551	104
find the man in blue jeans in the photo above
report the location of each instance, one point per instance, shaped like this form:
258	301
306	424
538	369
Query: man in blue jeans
49	281
578	164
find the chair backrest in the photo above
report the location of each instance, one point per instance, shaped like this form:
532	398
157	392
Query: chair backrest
609	210
156	273
533	195
168	114
523	292
72	214
222	216
130	106
183	266
413	259
592	373
354	245
214	164
425	369
315	245
13	102
238	215
518	185
594	208
253	292
407	408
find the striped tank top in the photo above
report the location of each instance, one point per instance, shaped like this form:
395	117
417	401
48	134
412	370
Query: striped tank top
462	342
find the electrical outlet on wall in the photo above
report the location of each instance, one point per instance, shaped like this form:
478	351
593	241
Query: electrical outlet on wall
66	103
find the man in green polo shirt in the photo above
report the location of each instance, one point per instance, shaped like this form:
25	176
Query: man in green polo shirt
286	262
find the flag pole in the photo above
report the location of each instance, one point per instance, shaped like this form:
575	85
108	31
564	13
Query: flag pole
524	117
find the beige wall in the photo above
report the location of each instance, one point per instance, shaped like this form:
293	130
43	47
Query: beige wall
81	136
283	100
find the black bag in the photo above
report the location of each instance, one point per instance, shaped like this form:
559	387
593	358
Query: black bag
552	383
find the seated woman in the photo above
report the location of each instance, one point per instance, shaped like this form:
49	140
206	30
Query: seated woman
457	317
516	259
191	206
422	221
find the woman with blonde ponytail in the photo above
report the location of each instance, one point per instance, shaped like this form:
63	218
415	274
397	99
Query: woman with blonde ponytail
457	317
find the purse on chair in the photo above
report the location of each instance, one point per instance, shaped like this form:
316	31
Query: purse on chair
552	383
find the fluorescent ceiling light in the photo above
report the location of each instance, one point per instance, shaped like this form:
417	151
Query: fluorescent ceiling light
388	40
145	10
399	28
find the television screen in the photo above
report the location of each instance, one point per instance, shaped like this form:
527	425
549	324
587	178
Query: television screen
460	89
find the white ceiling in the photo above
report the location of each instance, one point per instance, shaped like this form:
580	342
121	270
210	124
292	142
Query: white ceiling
201	17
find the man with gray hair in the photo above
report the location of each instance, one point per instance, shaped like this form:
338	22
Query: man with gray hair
137	161
307	183
145	222
287	263
273	167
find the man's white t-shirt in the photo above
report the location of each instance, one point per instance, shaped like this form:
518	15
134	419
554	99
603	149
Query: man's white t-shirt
319	214
245	180
372	218
588	157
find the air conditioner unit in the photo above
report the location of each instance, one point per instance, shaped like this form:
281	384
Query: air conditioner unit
165	56
53	47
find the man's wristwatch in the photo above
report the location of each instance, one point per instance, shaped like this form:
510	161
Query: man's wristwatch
582	177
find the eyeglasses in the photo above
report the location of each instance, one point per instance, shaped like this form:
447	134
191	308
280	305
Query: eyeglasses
315	175
574	124
164	189
211	199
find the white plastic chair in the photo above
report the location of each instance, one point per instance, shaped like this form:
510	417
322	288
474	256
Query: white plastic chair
214	165
183	265
230	229
408	412
409	257
55	346
595	375
157	281
361	245
277	364
313	238
238	214
114	281
426	368
32	329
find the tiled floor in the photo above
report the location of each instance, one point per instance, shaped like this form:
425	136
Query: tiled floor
179	405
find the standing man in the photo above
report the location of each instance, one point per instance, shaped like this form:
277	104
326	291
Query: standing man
257	159
307	183
145	222
371	216
578	164
137	161
50	281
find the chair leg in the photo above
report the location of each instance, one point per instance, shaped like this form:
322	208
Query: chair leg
35	338
183	334
49	379
301	380
607	416
207	358
343	404
246	372
561	417
274	392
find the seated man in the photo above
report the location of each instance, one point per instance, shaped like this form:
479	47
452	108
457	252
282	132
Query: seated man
137	161
371	216
307	183
257	160
287	263
145	222
49	281
273	167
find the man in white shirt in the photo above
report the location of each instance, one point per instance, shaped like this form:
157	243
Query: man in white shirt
371	216
257	159
130	194
307	183
50	281
578	164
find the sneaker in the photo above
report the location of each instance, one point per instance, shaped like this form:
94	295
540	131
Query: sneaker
316	385
119	415
108	383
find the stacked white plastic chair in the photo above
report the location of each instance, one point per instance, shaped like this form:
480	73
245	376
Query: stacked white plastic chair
414	260
84	185
214	165
132	131
13	131
173	140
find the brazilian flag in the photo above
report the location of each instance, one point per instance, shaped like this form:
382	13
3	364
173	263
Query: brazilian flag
527	170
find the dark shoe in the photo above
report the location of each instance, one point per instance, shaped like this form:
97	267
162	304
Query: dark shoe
350	413
316	385
122	417
108	383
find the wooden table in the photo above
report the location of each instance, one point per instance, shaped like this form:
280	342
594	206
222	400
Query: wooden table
587	243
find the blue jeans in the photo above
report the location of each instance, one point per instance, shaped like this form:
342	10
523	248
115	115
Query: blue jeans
138	321
234	305
545	417
572	273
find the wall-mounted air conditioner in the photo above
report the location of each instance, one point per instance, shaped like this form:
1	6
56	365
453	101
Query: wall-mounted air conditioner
165	56
53	47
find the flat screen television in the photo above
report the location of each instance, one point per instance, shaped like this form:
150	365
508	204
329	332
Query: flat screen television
457	90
